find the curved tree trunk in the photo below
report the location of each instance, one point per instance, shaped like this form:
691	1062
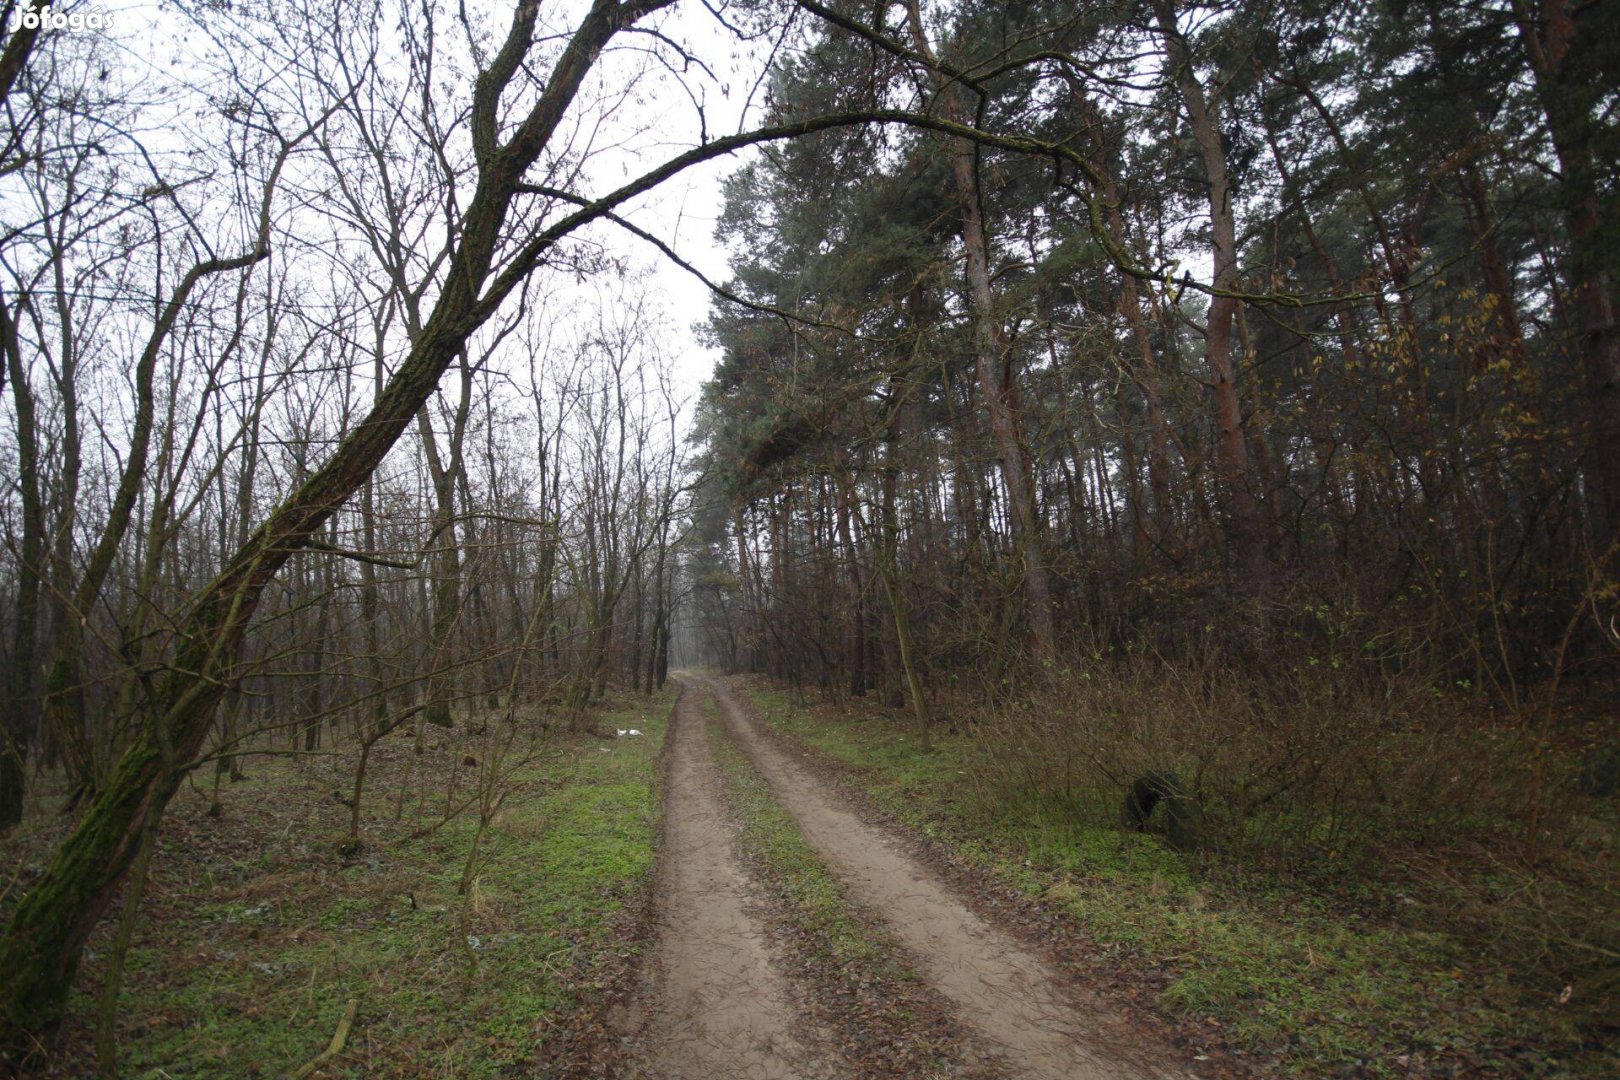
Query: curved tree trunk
1232	455
991	355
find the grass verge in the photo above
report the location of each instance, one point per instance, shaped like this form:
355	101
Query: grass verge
256	932
1319	985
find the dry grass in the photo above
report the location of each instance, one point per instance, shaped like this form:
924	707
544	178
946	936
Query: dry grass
1354	910
1376	790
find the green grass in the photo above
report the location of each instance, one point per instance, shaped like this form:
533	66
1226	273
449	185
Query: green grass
244	968
768	835
1276	965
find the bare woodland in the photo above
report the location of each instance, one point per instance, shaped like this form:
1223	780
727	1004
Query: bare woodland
1227	387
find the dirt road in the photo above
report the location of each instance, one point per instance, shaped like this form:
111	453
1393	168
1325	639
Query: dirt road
719	1007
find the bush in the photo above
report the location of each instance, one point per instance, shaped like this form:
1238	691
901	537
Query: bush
1374	787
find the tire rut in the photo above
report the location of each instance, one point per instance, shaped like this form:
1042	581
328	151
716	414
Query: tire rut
719	1008
1021	1004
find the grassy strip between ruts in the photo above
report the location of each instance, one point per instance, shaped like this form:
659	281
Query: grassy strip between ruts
886	1021
256	933
1280	969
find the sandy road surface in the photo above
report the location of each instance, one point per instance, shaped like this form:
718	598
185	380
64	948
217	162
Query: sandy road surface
719	1009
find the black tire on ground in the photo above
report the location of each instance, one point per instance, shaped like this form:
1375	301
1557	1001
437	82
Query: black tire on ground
1183	815
1600	777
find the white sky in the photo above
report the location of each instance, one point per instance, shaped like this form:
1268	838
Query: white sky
682	212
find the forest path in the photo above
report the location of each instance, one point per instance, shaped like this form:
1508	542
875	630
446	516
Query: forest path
716	1006
1036	1019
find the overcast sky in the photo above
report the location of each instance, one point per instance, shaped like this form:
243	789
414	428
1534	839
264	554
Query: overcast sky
684	211
155	41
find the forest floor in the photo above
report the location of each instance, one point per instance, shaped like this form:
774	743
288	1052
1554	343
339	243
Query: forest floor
1236	973
258	928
